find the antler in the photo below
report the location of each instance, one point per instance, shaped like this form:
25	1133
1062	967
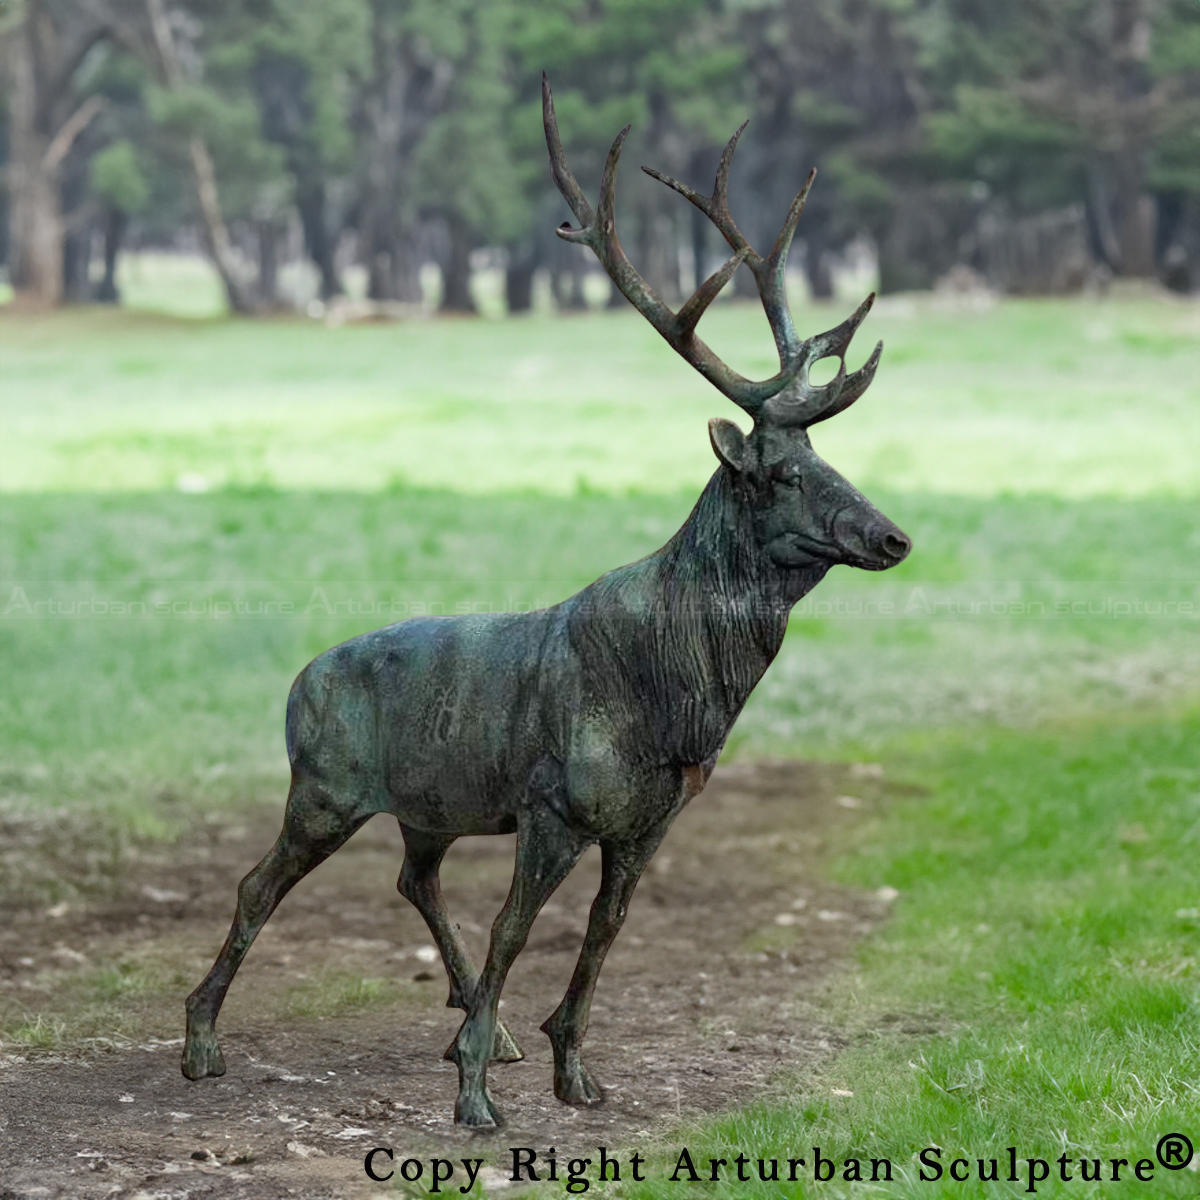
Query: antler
842	390
785	398
598	230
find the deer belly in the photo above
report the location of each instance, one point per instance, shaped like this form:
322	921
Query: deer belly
451	768
457	738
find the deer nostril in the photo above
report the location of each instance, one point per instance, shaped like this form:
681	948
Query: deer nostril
896	545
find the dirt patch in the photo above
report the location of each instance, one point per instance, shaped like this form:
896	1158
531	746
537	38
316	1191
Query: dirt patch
334	1029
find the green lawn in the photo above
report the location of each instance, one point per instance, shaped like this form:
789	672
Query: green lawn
1068	399
1048	927
186	692
1037	672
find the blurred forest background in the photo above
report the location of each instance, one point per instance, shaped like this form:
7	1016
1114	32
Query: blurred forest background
393	149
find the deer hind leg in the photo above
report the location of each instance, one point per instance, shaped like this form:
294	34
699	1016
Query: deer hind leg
419	884
546	852
621	867
315	824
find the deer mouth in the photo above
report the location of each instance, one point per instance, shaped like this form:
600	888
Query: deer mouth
792	550
877	549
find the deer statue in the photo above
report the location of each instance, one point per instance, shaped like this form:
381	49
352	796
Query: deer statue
595	720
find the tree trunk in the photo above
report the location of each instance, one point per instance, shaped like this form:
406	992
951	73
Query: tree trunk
1135	219
406	269
268	263
393	268
77	261
518	287
1177	248
114	230
518	275
36	227
818	270
1122	216
37	233
215	231
406	92
1099	208
659	254
456	274
568	284
699	234
310	203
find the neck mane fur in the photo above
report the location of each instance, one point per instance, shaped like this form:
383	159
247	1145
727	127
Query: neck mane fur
683	635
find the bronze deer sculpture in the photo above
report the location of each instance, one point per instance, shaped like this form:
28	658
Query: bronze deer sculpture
596	720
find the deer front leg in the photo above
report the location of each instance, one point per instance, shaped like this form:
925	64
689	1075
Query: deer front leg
622	866
546	852
419	884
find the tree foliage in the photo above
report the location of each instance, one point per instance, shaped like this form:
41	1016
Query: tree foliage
392	132
118	179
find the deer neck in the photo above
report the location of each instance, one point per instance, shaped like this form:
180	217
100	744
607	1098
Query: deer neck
726	606
687	633
721	586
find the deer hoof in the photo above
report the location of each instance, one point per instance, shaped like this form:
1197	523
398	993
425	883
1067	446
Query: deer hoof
475	1111
202	1057
577	1087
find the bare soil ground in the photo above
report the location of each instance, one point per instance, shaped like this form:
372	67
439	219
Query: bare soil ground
334	1029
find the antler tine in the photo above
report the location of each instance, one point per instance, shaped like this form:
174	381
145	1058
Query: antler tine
768	272
689	315
772	281
721	183
783	242
607	214
716	206
598	230
858	383
601	235
821	403
852	386
837	340
700	201
565	181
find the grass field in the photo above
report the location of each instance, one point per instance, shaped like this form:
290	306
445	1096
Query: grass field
1048	930
163	484
1072	400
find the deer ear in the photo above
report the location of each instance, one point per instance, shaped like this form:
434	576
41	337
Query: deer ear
728	443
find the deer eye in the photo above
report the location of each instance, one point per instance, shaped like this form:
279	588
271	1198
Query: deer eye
790	480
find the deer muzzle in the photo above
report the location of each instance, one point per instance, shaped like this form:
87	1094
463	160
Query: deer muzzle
886	546
872	545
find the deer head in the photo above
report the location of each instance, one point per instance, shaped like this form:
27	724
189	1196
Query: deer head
805	515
